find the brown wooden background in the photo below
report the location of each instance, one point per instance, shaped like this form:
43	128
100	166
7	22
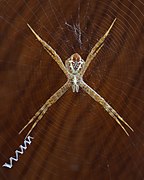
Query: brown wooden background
76	139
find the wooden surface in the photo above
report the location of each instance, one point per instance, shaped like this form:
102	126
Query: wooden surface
76	139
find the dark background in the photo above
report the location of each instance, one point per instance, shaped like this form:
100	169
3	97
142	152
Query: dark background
76	139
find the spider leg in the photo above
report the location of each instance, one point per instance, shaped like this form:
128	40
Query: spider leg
105	105
40	113
51	51
96	49
37	120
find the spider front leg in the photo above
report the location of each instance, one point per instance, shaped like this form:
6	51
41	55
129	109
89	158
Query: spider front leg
105	105
40	113
96	49
51	51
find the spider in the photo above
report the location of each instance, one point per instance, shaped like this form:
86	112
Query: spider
74	69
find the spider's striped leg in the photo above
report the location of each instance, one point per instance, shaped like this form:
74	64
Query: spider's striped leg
40	113
96	49
105	105
51	51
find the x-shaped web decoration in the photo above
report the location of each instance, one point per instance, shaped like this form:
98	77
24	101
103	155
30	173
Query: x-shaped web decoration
74	69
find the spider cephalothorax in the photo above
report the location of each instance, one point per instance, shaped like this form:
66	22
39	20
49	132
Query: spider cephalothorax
74	65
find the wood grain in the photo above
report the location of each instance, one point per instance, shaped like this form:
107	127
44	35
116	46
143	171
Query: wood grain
76	139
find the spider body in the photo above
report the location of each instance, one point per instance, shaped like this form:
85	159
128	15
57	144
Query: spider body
74	65
74	69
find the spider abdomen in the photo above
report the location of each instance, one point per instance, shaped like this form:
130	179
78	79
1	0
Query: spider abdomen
74	64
